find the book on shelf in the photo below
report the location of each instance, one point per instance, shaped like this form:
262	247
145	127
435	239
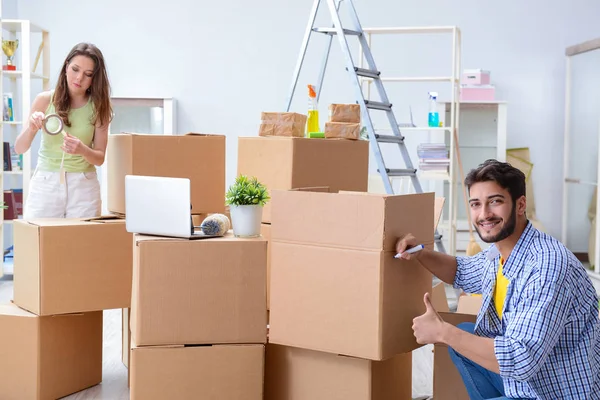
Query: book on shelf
433	157
8	112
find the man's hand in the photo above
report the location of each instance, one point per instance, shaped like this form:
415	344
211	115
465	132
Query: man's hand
405	243
428	327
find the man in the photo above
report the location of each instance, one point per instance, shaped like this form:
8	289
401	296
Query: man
537	335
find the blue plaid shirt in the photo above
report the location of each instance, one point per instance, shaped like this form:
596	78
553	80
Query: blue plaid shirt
548	341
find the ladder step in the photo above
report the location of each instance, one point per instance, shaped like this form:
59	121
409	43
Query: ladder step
377	105
400	172
332	31
389	138
367	73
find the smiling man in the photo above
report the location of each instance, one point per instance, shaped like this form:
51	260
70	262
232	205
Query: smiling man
537	335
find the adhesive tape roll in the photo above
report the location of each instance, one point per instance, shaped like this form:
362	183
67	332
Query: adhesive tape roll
53	124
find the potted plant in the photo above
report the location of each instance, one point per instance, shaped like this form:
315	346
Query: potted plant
246	199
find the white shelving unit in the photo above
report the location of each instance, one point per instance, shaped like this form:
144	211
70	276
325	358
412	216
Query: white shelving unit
32	60
581	165
451	121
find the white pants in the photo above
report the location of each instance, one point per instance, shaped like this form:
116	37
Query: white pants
77	197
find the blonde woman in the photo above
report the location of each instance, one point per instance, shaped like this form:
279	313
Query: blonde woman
82	99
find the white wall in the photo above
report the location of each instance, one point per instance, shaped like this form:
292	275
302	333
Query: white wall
225	62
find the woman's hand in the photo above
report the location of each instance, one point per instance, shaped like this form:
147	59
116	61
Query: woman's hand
72	145
36	120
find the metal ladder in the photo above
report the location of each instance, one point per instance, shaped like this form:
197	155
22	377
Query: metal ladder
366	105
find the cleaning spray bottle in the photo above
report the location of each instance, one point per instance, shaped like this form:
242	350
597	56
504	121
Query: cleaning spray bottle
312	124
434	118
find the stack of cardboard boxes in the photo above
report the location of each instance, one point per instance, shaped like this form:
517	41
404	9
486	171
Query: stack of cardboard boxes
341	305
66	273
198	318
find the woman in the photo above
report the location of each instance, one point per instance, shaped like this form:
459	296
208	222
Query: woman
82	100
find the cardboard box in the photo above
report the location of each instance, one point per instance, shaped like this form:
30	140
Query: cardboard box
207	291
344	113
199	157
282	124
65	266
265	231
232	372
342	130
300	374
335	284
303	162
447	382
43	358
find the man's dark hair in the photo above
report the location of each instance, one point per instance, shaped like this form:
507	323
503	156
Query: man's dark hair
504	174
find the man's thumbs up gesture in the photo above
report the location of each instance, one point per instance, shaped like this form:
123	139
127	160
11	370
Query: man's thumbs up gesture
428	327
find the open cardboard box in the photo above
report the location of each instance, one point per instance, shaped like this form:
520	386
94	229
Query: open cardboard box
447	382
335	284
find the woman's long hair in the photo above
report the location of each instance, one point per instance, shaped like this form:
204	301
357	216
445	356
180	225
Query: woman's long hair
99	91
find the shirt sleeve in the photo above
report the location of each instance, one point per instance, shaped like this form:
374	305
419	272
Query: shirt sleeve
537	319
470	272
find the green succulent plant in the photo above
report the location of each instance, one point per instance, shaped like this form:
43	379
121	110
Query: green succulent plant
246	191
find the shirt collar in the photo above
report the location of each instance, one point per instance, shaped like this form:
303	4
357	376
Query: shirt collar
517	255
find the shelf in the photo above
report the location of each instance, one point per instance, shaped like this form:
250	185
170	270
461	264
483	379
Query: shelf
19	74
417	79
433	176
416	129
16	25
8	221
11	122
411	30
13	172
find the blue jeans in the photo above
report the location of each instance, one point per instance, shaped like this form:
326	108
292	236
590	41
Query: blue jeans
481	383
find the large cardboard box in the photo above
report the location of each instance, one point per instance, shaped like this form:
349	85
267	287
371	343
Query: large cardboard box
46	358
208	291
447	382
289	163
199	157
335	284
300	374
232	372
66	266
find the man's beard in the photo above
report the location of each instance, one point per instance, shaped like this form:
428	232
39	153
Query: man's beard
507	230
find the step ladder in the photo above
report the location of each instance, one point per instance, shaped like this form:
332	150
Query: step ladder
366	105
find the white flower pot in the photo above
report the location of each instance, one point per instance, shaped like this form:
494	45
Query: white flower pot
245	220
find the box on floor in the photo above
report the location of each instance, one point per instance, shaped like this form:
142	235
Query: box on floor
45	358
335	284
198	157
299	374
447	382
208	291
234	372
303	162
64	266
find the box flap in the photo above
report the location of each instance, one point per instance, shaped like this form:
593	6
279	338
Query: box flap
202	134
469	304
103	219
11	309
351	220
438	208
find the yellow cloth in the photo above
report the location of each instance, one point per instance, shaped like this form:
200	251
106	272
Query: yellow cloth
500	289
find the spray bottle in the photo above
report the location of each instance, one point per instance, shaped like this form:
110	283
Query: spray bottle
434	118
312	124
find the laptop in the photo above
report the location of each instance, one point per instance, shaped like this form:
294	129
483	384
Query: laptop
159	206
